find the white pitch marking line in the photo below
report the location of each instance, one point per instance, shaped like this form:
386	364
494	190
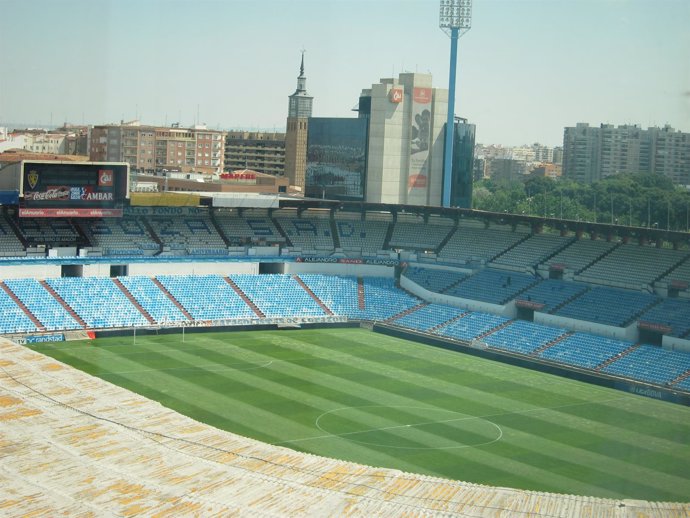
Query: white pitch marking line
345	434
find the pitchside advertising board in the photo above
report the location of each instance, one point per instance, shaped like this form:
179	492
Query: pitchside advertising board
73	189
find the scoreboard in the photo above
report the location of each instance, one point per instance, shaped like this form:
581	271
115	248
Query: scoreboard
73	189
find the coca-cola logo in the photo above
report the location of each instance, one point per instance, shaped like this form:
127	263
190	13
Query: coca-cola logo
105	177
52	193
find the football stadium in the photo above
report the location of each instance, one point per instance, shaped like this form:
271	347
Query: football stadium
178	355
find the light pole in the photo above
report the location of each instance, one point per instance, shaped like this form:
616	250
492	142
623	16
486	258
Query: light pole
455	18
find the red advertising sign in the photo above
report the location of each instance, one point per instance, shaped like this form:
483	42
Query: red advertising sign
653	326
416	181
105	177
52	193
70	213
395	95
422	95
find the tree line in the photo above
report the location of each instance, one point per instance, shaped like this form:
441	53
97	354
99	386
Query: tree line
641	200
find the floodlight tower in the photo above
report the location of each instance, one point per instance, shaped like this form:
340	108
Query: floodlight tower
455	18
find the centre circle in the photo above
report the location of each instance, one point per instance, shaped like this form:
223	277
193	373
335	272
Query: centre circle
408	427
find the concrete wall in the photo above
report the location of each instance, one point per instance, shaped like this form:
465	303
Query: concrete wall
361	270
29	271
675	344
151	269
508	311
621	333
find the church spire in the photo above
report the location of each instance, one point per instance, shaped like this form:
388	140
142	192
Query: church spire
301	67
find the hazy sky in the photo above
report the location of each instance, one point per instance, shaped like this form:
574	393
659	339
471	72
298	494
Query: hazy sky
527	68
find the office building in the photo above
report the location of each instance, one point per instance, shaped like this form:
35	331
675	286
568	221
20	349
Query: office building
406	140
337	158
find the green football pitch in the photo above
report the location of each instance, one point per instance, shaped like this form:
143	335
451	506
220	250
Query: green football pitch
361	396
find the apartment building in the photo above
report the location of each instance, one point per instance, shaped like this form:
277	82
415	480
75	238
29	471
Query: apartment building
154	148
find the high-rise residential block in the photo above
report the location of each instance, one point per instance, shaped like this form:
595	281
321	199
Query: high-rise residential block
591	153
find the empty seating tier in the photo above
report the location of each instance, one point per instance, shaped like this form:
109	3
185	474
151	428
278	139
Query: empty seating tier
278	295
253	227
523	337
428	317
42	304
13	320
311	234
471	326
651	364
125	236
530	252
190	235
48	231
494	286
551	293
672	313
358	237
98	301
632	266
608	306
478	245
585	350
10	245
152	299
206	297
412	233
580	254
432	279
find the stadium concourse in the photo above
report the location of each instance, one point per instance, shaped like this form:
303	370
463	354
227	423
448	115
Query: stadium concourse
550	293
75	445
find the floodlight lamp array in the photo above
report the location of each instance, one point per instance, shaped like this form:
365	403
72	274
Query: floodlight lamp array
455	14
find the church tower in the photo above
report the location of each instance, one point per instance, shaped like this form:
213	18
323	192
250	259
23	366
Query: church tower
299	111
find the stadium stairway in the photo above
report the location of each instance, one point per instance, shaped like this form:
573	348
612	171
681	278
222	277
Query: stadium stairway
39	325
165	291
642	311
445	240
568	301
282	233
669	270
217	228
680	378
494	329
361	301
617	357
389	234
407	312
553	342
18	232
454	284
447	322
154	236
244	297
492	259
306	288
598	259
334	232
134	301
64	304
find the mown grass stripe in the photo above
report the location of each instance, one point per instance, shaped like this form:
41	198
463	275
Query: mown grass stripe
558	434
